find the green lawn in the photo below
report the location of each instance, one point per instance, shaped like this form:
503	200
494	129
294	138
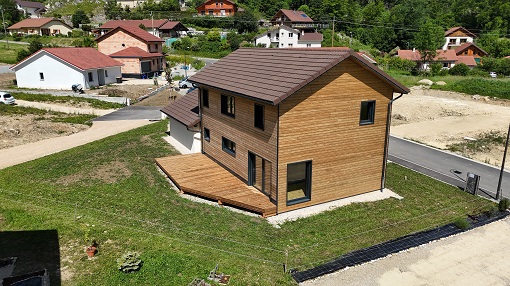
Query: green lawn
124	203
94	103
8	54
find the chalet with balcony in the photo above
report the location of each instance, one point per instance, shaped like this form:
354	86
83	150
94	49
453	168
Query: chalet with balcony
139	51
31	9
286	37
218	8
284	129
294	19
456	37
41	27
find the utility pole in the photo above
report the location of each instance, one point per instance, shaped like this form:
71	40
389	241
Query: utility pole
498	191
333	32
3	23
152	19
350	41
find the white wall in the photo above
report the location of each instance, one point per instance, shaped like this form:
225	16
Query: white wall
281	39
183	140
457	41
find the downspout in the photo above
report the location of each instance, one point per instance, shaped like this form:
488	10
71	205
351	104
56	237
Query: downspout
387	140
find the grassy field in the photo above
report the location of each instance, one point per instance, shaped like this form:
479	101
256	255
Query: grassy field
8	54
112	192
94	103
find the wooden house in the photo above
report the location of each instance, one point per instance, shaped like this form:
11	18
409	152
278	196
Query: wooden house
471	50
139	51
218	8
292	18
298	127
457	36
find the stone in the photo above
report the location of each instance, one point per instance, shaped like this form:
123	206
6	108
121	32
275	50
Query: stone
441	83
426	81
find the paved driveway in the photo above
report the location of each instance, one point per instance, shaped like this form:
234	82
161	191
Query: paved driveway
133	112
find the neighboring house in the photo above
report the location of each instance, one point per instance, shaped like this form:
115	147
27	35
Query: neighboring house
133	3
31	9
447	58
471	50
292	18
139	51
218	8
158	28
184	123
457	36
41	27
286	37
60	68
302	127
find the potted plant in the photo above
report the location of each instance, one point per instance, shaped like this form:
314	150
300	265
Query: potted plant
92	249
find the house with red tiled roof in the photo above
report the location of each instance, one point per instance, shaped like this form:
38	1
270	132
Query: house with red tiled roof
284	129
457	36
31	9
447	58
159	28
41	27
60	68
218	8
184	123
471	50
139	51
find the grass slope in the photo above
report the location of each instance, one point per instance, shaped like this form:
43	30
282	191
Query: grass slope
124	203
94	103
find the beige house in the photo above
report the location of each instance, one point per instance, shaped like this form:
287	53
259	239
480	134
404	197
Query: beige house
40	26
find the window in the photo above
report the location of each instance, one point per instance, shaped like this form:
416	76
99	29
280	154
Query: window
228	146
290	45
105	73
445	65
462	41
259	116
291	35
452	41
205	98
228	105
308	45
367	112
91	78
41	76
207	134
299	182
269	35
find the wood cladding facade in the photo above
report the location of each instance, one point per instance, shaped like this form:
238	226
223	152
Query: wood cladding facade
319	123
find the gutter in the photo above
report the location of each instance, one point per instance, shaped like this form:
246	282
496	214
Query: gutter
387	140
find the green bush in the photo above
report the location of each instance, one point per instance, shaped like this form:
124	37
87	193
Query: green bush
462	223
435	68
503	204
129	262
396	63
459	69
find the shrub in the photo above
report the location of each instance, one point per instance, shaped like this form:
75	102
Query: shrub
435	68
396	63
503	204
459	69
129	262
462	223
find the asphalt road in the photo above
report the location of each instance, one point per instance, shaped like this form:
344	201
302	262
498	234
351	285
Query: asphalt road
133	112
446	167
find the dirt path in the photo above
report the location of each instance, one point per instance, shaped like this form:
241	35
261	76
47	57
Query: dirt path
438	119
64	108
477	257
101	129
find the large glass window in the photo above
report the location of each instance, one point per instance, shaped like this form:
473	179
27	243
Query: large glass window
228	146
259	116
299	182
367	112
228	105
205	98
207	134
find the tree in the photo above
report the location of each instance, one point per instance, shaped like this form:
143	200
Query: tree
459	69
79	17
11	14
34	46
245	22
113	10
428	40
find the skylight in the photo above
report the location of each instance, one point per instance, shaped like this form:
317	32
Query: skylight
304	15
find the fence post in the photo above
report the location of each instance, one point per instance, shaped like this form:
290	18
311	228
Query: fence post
286	261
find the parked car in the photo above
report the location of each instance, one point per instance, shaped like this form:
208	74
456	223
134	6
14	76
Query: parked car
184	83
493	74
6	98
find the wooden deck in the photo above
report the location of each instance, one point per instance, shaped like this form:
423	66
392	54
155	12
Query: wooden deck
197	174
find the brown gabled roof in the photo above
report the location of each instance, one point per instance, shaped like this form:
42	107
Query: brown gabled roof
184	109
468	60
134	52
31	4
271	75
169	25
454	29
133	31
134	23
82	58
292	15
315	37
442	55
33	23
465	46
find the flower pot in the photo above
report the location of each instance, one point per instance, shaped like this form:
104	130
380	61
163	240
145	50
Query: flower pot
91	250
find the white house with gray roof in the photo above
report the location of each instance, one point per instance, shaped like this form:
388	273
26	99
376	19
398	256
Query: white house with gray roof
286	37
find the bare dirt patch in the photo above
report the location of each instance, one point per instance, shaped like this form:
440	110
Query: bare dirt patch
130	91
439	119
108	173
6	80
18	130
